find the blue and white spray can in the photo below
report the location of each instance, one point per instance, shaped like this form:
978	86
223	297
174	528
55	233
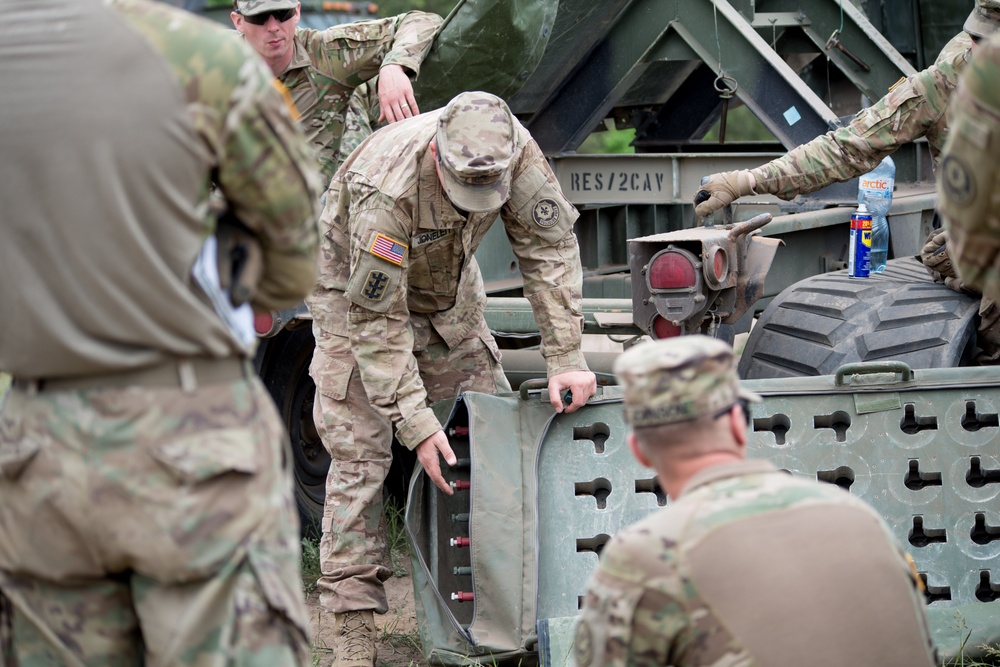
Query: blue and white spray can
860	251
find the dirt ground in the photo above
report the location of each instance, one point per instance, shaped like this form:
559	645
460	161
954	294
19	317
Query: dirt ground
398	642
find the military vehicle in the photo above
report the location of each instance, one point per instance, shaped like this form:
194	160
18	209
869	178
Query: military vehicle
671	70
912	434
881	409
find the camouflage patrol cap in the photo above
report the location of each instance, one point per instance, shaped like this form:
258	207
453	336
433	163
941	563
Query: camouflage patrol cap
251	7
475	144
984	19
678	379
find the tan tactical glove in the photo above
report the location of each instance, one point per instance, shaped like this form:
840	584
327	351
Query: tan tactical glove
720	190
934	255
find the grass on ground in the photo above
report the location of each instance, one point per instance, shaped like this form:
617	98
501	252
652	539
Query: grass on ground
390	636
991	654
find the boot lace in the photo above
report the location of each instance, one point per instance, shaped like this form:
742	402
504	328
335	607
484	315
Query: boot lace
355	637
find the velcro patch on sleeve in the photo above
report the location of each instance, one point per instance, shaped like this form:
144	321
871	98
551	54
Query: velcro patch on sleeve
374	284
386	248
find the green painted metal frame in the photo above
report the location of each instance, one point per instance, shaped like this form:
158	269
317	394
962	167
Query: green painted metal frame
919	445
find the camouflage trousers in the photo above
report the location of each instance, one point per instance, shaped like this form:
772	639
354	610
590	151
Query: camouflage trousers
934	255
146	526
353	549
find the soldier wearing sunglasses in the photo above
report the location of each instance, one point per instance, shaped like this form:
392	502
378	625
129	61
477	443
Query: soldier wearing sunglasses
321	68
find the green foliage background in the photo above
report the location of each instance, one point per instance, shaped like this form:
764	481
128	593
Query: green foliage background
741	125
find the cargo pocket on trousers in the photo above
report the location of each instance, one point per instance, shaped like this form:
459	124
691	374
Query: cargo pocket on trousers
334	378
202	456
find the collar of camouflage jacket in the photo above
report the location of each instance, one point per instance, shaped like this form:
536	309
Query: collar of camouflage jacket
300	58
725	470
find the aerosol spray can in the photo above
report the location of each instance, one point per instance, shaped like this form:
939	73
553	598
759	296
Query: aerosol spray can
859	256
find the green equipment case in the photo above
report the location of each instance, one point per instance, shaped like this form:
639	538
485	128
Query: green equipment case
501	566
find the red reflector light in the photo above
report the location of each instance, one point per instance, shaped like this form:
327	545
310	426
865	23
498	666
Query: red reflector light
720	264
262	322
671	270
665	328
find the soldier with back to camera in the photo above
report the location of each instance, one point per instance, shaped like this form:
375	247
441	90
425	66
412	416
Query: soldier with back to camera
146	508
747	565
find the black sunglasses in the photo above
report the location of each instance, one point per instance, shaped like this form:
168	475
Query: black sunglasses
281	15
743	403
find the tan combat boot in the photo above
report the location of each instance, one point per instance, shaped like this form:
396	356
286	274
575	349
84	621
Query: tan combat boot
355	636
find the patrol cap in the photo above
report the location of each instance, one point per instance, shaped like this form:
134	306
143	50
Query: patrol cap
984	19
251	7
475	145
678	379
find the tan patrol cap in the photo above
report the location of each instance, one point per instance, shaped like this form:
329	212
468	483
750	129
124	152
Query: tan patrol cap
251	7
984	19
475	144
678	379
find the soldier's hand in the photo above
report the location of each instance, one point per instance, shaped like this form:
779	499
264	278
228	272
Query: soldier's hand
427	454
240	260
582	385
722	189
395	94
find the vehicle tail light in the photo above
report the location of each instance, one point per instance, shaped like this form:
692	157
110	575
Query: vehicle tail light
263	322
716	267
720	263
664	328
671	269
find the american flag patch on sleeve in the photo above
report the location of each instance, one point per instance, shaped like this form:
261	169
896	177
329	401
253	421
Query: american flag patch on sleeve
389	250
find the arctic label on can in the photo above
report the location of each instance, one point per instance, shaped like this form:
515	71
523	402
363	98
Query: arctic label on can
859	259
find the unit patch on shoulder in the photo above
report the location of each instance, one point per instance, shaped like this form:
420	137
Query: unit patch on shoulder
583	644
375	285
959	183
388	249
545	213
918	581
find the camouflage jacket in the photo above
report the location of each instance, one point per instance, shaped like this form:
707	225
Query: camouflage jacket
393	244
101	248
361	119
968	191
751	566
915	107
327	65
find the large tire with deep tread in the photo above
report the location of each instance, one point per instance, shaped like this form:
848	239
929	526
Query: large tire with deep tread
818	324
284	368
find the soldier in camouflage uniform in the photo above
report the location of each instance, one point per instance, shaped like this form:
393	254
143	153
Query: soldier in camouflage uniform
361	118
747	565
969	191
915	107
398	316
321	68
146	507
